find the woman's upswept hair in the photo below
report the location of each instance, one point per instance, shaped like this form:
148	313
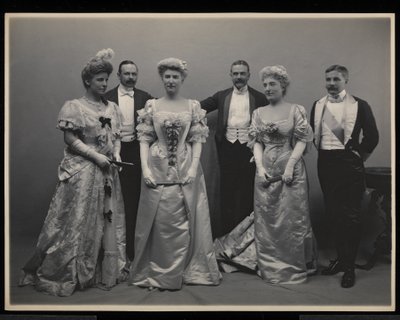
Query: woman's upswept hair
277	72
99	63
172	64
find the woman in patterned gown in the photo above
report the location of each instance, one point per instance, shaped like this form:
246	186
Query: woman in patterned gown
173	241
277	239
82	241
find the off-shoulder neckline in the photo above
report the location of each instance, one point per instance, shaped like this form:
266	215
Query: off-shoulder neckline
173	112
188	111
282	120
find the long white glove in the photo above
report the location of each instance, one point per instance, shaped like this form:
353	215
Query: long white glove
192	172
116	152
297	152
258	154
147	176
84	150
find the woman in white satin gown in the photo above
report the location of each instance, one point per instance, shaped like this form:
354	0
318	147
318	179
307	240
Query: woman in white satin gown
277	239
173	241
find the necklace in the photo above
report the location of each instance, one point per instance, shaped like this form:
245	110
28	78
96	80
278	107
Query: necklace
99	105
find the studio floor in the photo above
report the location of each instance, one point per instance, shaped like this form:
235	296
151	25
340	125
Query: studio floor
238	291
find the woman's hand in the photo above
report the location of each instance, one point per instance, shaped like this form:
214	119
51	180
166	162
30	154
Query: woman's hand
262	175
261	172
148	178
117	157
190	176
101	160
287	176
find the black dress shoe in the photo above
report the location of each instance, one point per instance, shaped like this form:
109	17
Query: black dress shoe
348	279
333	268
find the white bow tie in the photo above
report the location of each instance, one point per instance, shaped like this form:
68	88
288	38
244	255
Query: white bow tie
129	93
240	92
335	99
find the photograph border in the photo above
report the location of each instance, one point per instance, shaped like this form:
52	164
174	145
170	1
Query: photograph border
122	308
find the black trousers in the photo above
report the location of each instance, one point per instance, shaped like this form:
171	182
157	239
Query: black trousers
342	178
130	185
237	183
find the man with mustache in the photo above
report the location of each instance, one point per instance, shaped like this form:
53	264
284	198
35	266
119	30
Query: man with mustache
338	120
130	100
235	107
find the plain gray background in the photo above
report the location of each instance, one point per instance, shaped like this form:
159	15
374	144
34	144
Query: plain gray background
48	54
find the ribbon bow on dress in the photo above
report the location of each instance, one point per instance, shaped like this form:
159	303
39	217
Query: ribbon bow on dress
105	121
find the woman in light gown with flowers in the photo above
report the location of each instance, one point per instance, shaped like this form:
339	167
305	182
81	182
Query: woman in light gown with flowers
82	241
277	239
173	241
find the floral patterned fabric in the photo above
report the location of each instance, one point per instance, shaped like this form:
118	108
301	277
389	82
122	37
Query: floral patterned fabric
173	241
277	241
82	241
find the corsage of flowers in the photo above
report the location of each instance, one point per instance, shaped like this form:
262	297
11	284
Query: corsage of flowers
271	128
173	129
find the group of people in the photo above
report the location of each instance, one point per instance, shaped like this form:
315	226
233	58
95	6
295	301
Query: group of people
131	201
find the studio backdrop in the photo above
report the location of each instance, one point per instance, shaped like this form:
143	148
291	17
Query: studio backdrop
48	53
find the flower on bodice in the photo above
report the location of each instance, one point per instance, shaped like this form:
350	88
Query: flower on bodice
173	129
271	128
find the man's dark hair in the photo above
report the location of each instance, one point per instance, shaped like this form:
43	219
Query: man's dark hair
241	62
127	62
341	69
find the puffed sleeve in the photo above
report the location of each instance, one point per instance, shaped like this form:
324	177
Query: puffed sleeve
71	117
302	129
198	129
116	120
254	130
145	127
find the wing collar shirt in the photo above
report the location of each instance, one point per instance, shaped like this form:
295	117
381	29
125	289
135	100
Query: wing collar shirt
126	101
239	116
328	140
